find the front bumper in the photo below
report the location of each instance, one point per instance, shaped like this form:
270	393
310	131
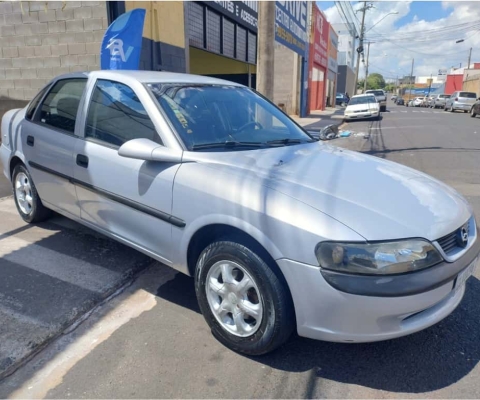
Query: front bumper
331	313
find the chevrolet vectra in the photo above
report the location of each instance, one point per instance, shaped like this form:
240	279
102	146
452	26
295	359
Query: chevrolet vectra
279	231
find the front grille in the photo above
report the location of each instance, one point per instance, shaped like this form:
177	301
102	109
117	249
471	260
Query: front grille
448	243
359	111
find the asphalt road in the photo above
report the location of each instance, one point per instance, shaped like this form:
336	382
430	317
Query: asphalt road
152	342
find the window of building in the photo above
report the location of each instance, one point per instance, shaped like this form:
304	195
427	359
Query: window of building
59	109
241	44
228	38
195	23
252	48
116	115
213	31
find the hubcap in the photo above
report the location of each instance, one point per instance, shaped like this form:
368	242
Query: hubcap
23	193
234	298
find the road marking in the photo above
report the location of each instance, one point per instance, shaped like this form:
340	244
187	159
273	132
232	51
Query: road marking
57	265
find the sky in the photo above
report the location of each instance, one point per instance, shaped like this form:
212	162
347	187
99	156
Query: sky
425	31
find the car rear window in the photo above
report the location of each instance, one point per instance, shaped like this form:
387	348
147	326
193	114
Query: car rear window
375	92
468	95
444	96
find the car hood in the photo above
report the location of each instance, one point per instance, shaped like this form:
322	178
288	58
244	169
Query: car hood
376	198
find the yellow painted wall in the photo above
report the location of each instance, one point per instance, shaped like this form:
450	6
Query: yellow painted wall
205	63
164	21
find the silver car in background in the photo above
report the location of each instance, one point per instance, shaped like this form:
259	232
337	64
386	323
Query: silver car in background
279	231
460	101
438	101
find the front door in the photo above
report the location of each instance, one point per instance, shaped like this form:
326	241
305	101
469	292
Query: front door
129	198
48	140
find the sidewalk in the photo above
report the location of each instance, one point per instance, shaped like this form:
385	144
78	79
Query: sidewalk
320	119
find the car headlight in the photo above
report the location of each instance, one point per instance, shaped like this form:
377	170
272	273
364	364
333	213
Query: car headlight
378	258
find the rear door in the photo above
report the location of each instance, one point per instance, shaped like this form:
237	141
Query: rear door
49	139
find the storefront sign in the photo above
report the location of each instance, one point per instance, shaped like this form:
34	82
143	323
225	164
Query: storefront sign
243	12
291	25
320	38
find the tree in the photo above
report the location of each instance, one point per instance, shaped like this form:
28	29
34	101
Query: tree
390	87
360	83
375	81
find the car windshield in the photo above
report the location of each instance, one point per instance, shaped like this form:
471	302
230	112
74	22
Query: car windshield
210	116
375	92
362	100
468	95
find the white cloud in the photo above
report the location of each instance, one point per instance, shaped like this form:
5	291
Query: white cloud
431	51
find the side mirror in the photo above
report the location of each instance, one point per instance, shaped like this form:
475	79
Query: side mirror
148	150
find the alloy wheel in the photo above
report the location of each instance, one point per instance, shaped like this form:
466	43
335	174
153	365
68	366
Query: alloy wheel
234	298
23	193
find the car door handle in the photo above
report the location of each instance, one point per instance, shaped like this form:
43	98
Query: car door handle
82	161
30	140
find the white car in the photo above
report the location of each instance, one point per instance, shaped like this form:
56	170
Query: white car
418	102
362	106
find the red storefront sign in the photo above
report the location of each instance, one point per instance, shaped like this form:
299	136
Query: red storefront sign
320	38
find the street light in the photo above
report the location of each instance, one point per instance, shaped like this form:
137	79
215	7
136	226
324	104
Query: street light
385	16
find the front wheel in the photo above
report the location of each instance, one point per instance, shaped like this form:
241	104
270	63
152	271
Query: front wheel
473	114
451	108
245	302
28	202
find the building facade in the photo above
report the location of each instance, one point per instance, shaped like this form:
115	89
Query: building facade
332	67
346	45
346	80
318	60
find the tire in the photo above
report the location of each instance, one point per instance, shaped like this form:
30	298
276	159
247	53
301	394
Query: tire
473	114
268	294
27	200
465	111
451	109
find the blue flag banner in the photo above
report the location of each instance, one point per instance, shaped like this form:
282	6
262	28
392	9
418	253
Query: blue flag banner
122	43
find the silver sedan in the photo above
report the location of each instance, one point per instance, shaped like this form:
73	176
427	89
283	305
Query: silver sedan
279	231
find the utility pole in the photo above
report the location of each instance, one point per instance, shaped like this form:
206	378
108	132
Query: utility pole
411	76
469	58
266	48
366	69
360	46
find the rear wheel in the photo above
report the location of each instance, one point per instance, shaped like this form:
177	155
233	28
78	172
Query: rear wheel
245	302
28	202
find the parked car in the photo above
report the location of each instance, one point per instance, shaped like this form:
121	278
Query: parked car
362	106
409	103
380	96
460	101
427	101
214	180
438	101
393	98
418	101
399	101
475	110
341	99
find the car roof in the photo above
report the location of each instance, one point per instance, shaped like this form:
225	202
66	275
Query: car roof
150	77
362	95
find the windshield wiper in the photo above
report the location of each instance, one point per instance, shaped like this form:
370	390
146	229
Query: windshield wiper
288	141
227	144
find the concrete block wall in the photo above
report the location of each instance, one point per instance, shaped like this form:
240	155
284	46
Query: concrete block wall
285	91
45	40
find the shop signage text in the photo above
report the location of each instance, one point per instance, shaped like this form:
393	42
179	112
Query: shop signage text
320	38
243	12
291	25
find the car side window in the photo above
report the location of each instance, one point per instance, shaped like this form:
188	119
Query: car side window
32	107
116	115
59	109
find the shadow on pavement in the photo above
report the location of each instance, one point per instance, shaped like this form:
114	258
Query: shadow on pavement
426	361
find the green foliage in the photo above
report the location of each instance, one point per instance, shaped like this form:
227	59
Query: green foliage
390	87
375	81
